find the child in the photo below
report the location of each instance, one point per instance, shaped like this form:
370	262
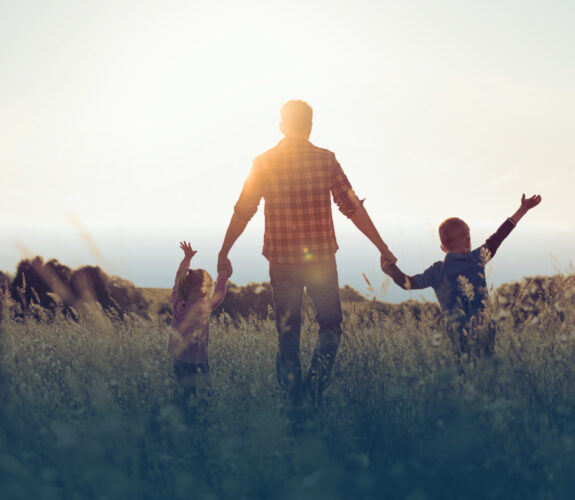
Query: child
192	303
459	282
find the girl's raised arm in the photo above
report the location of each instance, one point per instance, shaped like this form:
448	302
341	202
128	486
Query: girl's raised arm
185	264
220	290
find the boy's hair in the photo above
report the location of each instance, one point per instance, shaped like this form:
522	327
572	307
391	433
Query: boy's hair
195	284
452	229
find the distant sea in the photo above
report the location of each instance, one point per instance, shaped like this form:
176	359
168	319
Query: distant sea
149	257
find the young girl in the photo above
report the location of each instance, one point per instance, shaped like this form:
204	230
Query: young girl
192	303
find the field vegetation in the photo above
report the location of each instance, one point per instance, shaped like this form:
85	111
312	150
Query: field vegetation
89	407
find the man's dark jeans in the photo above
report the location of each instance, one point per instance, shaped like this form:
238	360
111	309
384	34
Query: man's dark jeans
321	283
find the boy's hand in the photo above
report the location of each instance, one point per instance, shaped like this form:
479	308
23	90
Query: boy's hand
529	203
526	205
187	248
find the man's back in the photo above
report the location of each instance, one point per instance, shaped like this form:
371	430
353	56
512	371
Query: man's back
297	180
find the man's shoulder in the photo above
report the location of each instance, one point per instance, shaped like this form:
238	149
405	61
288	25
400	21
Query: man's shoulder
326	155
286	146
322	150
261	157
273	150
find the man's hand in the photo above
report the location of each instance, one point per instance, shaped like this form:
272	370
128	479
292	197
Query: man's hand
529	203
187	248
224	265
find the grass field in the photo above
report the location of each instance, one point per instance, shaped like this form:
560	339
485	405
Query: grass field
88	411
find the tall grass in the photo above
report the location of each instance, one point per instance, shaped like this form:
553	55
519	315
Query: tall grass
90	410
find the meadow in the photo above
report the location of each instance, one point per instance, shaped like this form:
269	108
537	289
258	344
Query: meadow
89	410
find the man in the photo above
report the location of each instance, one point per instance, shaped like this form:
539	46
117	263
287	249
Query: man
297	180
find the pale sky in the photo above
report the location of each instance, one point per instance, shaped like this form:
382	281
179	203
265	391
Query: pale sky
132	115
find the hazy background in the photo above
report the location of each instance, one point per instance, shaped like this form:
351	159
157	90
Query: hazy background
127	126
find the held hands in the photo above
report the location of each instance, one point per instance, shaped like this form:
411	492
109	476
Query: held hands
386	259
529	203
187	248
224	265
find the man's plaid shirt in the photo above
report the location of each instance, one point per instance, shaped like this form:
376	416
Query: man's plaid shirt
296	180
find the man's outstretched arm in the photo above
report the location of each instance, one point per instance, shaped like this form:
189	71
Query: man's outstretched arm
244	210
351	206
363	222
235	229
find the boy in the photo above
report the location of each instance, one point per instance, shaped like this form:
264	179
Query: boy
459	282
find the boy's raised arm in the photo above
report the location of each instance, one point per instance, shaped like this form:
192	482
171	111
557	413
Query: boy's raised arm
494	241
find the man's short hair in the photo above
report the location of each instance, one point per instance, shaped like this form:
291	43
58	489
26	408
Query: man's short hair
297	115
452	229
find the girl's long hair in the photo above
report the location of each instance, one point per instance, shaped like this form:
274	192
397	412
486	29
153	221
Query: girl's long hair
196	283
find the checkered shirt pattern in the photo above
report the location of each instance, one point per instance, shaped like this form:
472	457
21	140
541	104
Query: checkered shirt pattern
296	179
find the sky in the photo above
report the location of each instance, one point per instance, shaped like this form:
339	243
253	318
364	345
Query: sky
127	126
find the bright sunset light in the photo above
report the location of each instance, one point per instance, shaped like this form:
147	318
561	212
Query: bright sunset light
134	117
287	250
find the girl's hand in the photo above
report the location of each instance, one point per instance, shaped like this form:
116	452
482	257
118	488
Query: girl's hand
187	248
